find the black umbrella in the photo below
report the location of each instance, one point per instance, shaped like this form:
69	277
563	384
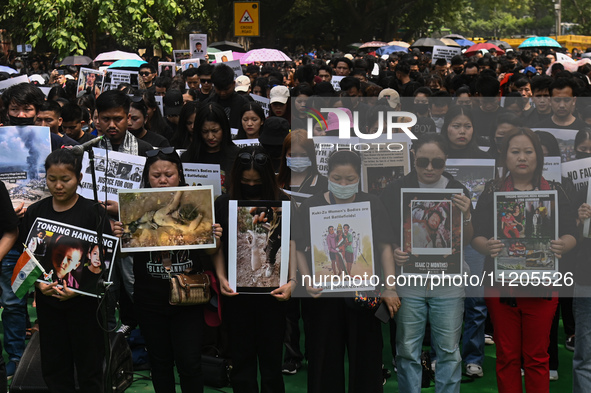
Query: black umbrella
227	45
76	60
501	44
427	43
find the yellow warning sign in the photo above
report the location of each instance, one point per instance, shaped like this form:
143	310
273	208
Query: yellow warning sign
246	19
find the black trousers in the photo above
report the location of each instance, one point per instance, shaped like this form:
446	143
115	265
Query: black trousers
334	327
174	336
67	337
256	326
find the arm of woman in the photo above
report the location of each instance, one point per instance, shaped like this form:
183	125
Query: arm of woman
306	275
562	245
488	247
464	203
389	296
283	293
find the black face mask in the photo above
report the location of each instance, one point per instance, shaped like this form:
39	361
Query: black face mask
581	154
21	121
458	70
421	108
251	192
136	132
414	75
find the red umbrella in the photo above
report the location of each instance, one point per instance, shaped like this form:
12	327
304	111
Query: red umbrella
373	44
471	51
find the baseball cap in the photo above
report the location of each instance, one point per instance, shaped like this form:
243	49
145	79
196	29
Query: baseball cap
391	96
279	94
173	103
242	83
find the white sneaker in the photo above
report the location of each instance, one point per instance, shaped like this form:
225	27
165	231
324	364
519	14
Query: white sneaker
553	375
488	340
474	370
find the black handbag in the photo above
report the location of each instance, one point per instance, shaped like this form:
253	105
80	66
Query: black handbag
428	374
216	371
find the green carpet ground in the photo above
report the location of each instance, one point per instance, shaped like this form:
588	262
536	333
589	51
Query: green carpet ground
297	383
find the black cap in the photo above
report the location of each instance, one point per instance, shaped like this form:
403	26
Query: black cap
275	129
173	102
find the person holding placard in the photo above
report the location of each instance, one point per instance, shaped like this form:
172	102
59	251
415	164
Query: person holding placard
71	340
255	323
442	306
339	322
521	319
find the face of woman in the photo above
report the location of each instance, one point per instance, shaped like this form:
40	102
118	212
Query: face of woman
62	183
584	147
257	91
278	108
460	132
163	174
521	157
211	132
296	151
300	103
343	175
190	122
429	163
502	130
66	259
252	123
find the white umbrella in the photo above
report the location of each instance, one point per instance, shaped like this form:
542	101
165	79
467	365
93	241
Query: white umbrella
117	55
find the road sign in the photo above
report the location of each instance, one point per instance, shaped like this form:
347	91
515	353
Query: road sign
246	19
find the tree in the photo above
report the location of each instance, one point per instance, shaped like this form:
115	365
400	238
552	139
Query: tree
71	27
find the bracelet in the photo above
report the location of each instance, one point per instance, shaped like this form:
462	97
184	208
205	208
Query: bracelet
294	280
467	220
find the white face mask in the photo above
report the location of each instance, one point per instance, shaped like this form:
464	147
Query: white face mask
343	192
298	164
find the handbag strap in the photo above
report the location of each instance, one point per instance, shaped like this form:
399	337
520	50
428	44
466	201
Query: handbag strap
166	262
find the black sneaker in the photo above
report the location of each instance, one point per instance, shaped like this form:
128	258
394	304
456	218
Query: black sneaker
291	367
570	343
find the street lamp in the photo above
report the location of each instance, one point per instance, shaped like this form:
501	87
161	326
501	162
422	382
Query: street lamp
557	10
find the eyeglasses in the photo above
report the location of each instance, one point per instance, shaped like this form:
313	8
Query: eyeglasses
259	158
145	73
163	150
436	163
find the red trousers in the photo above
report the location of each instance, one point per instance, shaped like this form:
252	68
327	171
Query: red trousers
522	331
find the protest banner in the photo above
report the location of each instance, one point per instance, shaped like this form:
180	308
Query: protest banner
5	84
246	142
235	65
113	78
579	171
325	145
551	170
472	173
566	141
23	150
385	161
336	82
197	46
526	222
90	81
204	175
224	56
69	255
258	248
189	63
181	54
444	52
342	245
164	219
114	171
263	102
167	66
160	104
431	232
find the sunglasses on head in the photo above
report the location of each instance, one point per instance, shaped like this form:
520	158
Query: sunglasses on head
436	163
163	150
259	158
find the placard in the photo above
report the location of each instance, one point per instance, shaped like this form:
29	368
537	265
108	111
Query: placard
551	170
181	54
263	102
204	175
384	162
325	145
5	84
472	173
336	82
189	63
444	52
246	142
566	141
113	78
235	65
224	56
198	46
90	81
579	171
167	66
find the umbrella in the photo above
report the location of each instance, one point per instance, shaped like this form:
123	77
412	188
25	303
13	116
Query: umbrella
213	50
427	43
455	37
355	45
373	44
8	70
76	60
486	45
117	55
463	42
537	42
227	45
263	55
399	43
449	42
501	44
386	50
127	63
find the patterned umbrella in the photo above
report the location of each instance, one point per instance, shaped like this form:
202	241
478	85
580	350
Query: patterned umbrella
399	43
540	42
117	55
264	55
471	51
76	60
450	42
373	44
386	50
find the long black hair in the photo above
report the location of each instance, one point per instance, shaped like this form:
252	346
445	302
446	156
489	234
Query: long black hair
265	170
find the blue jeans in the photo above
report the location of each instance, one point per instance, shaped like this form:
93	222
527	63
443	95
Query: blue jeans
443	307
582	357
475	309
14	316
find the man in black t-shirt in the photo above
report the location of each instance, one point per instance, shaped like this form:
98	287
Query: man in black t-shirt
72	123
563	92
225	95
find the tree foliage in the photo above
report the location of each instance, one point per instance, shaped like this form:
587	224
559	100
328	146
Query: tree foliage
71	27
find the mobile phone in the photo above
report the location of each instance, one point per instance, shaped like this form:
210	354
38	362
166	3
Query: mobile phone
382	313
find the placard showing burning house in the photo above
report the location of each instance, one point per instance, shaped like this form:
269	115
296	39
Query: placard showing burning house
23	150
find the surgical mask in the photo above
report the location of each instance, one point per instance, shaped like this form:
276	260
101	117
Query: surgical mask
298	164
581	154
438	122
18	64
251	192
21	121
343	192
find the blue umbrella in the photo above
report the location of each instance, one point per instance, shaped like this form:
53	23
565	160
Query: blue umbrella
386	50
537	42
127	63
463	42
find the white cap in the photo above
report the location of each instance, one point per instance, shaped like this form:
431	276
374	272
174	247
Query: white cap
242	83
279	94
